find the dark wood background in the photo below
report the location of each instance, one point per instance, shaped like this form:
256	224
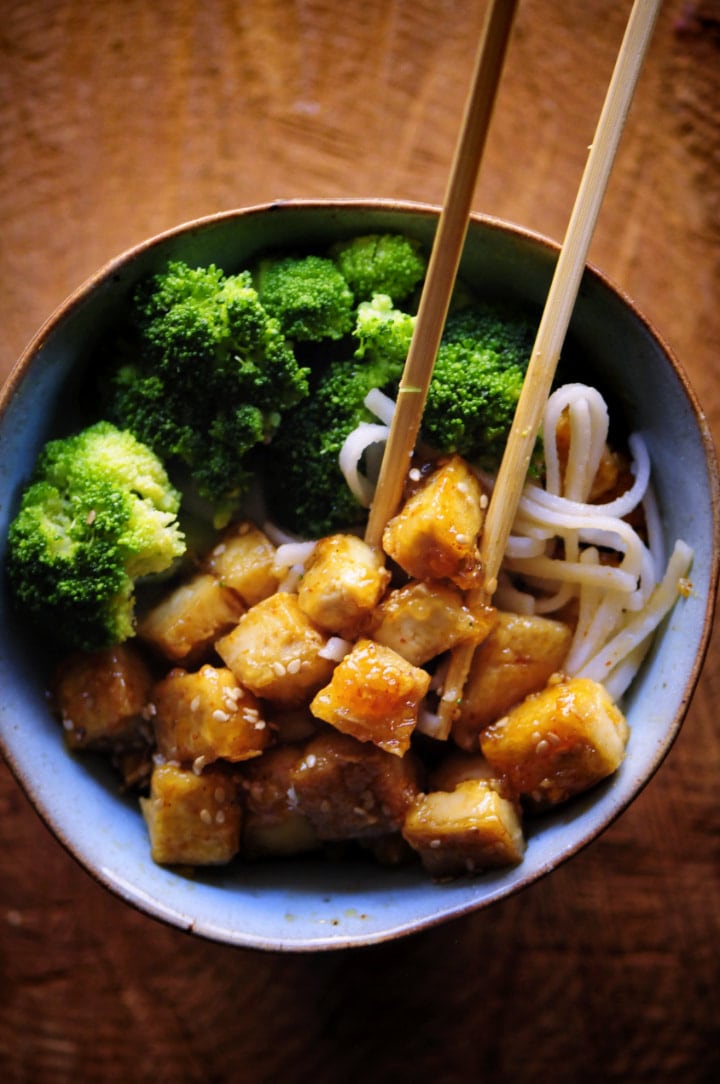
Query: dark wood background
121	118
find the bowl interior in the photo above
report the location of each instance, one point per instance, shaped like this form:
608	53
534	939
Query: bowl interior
305	904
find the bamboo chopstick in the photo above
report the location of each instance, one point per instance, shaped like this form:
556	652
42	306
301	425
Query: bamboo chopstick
442	267
552	330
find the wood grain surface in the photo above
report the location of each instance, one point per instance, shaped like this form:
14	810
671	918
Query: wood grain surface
121	118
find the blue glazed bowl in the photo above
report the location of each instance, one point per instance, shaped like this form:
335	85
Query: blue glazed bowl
313	904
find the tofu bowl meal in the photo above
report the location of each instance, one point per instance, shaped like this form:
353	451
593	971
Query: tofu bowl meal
239	712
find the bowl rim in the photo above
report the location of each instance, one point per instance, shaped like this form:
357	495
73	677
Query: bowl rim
156	909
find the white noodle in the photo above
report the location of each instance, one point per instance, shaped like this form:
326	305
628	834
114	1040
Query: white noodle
619	603
381	405
356	445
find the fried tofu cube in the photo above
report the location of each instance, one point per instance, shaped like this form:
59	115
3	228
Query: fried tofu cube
351	790
435	534
558	742
243	560
273	823
206	716
423	619
343	582
192	819
102	697
183	626
466	830
276	651
517	658
374	695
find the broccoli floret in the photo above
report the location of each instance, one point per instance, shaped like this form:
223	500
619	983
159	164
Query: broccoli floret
383	333
476	383
307	295
305	488
207	376
99	514
386	263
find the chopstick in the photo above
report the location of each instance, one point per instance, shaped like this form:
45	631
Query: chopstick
442	267
551	333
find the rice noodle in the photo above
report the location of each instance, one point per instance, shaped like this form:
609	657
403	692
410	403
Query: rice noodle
619	602
355	447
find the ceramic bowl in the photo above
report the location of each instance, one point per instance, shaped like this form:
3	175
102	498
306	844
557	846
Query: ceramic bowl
307	904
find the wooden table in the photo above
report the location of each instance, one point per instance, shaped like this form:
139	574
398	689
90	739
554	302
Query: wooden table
121	118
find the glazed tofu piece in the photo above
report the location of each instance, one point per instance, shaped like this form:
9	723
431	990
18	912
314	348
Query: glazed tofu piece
558	742
184	625
206	716
192	819
273	824
276	651
374	695
351	790
517	658
466	830
243	560
343	582
102	697
424	618
434	536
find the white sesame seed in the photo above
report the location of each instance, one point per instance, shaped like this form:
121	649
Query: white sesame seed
219	795
206	816
484	501
278	668
220	716
219	550
68	724
310	760
260	724
199	764
195	703
220	817
293	666
542	746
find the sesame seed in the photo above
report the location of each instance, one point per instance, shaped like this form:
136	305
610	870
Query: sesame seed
435	843
278	668
220	716
206	816
414	474
260	724
293	666
68	724
220	817
199	764
462	539
542	746
484	501
219	794
195	703
219	550
310	760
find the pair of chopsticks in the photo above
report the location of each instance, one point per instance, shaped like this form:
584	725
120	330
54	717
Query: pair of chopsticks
442	270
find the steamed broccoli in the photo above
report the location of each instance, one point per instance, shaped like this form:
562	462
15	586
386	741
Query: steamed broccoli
386	263
476	382
98	514
304	485
307	295
207	376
